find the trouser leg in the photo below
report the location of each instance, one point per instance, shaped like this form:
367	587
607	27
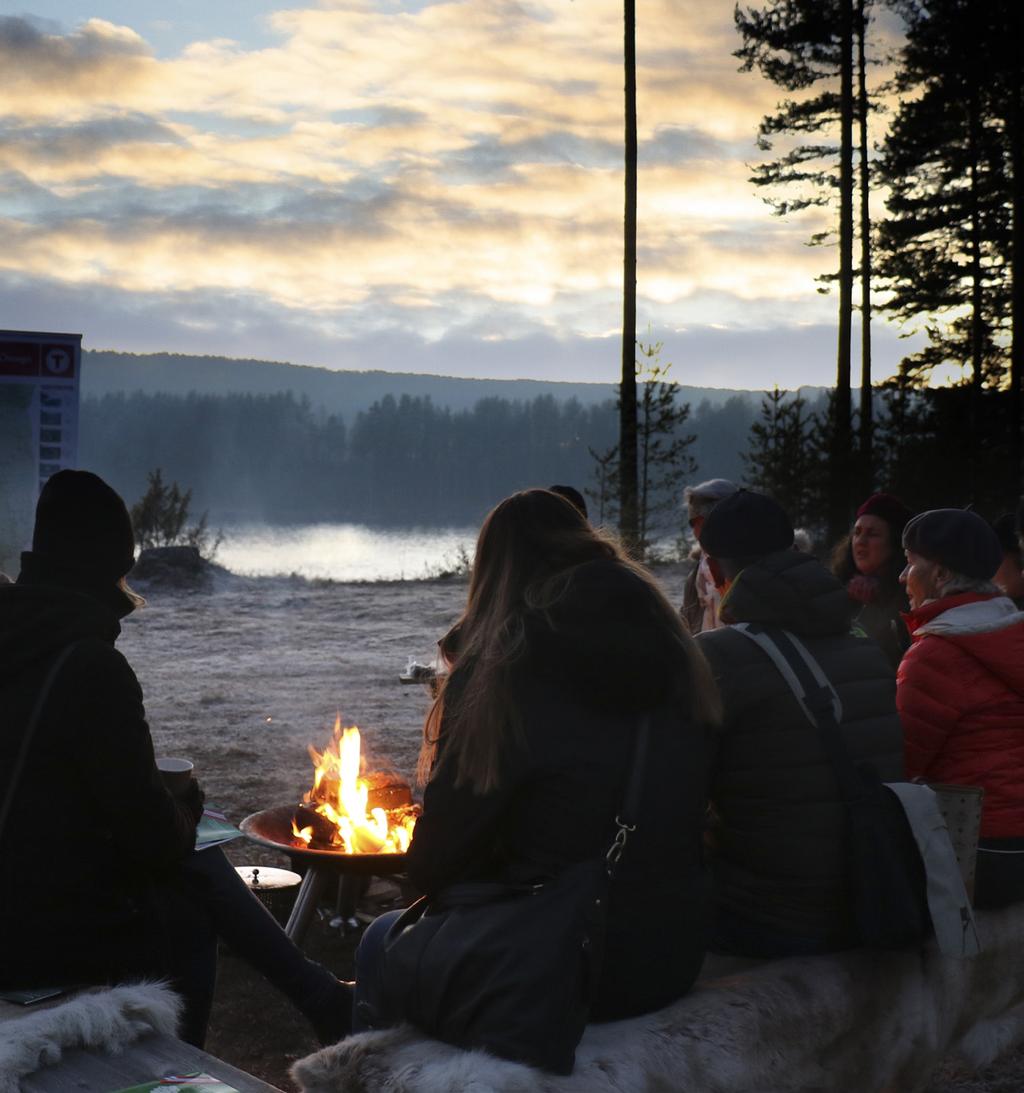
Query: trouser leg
189	953
369	969
252	933
999	874
194	977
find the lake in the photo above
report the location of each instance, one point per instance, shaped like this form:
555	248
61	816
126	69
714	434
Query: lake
343	552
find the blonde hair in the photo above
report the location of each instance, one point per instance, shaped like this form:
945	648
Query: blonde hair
134	598
528	552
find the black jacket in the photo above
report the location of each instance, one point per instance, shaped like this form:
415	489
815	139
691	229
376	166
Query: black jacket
91	824
778	819
594	665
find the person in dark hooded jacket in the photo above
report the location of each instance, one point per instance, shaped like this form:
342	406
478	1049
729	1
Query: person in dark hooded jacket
564	646
99	880
778	820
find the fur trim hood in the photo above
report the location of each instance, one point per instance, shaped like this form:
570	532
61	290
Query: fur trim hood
965	614
988	628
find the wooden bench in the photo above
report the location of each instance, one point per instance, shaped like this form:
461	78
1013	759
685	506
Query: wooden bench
82	1071
102	1040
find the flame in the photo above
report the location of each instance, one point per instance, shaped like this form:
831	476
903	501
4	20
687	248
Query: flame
341	796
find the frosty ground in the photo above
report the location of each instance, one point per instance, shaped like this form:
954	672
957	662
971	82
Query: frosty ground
241	677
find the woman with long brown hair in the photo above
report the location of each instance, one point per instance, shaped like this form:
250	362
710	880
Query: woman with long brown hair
564	647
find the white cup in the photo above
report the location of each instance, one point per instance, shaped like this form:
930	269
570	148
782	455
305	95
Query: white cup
176	773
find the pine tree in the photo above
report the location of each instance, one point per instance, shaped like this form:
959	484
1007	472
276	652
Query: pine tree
664	460
605	490
780	459
800	45
160	519
944	252
663	450
942	247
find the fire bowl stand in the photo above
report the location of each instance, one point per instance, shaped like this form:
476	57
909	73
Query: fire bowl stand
272	828
306	901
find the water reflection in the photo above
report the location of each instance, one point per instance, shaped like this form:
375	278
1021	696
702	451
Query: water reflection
343	552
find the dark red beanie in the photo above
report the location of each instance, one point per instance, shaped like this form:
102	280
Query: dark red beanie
888	508
83	524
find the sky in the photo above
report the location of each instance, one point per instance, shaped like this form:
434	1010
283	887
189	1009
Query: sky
401	184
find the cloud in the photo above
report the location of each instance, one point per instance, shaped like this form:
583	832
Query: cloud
421	167
45	72
240	324
45	148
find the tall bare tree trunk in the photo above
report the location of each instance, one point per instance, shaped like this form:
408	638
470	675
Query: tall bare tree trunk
1016	264
976	275
627	386
866	408
840	462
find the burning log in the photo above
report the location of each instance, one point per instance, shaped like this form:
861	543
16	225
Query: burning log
321	830
386	791
349	812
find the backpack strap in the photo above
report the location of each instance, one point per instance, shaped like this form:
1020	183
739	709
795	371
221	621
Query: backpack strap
806	679
948	906
814	691
30	730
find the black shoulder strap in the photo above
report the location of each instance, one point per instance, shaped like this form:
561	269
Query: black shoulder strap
625	820
814	691
637	770
30	731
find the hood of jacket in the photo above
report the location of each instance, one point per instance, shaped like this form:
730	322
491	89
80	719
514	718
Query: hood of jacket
608	640
988	627
38	620
792	590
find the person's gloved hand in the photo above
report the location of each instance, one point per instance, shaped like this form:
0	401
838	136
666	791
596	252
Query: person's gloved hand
193	799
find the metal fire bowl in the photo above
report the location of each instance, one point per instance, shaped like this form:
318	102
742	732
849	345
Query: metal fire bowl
273	827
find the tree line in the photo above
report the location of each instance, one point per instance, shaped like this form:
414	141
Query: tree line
917	451
945	256
409	462
403	462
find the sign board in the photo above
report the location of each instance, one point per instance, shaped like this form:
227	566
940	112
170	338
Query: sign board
39	375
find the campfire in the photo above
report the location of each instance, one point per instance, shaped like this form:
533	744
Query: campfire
350	811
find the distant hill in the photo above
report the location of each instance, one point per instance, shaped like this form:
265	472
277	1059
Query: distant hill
342	393
261	441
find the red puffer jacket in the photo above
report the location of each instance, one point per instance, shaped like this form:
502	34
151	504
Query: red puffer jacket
960	695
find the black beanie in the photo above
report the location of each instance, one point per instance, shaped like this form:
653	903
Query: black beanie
746	525
960	540
83	524
1005	528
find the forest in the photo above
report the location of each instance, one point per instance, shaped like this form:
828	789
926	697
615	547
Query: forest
403	462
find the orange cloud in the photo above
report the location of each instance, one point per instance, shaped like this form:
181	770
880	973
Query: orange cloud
470	148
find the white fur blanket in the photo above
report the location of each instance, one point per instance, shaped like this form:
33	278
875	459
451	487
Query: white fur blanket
104	1020
862	1022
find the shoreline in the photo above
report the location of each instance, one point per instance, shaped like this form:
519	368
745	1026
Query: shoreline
212	576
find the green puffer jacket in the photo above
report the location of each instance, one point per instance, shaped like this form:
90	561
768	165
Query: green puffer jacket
778	820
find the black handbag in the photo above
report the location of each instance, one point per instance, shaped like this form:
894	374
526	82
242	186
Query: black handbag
509	968
887	879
